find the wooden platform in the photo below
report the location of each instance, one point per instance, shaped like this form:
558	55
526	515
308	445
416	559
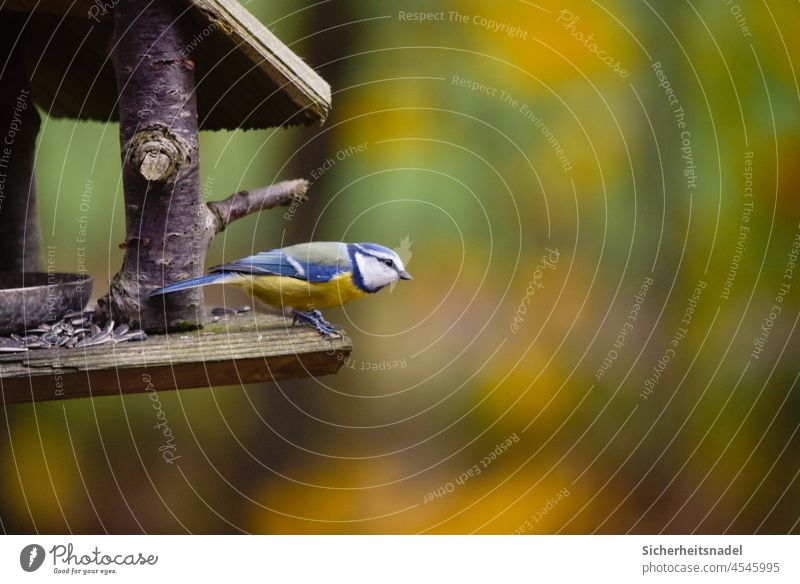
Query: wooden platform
242	349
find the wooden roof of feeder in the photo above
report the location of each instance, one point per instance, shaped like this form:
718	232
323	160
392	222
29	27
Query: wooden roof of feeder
246	77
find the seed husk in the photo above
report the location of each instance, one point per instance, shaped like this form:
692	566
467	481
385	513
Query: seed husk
74	330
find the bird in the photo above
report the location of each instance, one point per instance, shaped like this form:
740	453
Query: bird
306	277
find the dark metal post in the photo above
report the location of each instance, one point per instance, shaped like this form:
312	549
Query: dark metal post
19	126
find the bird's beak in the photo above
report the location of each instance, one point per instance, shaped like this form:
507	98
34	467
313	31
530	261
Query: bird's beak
405	275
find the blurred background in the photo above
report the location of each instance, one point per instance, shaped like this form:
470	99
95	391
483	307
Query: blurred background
587	344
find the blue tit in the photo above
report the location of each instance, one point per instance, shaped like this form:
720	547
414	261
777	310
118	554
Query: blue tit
306	277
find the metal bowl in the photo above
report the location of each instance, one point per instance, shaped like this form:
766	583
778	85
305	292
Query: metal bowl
45	297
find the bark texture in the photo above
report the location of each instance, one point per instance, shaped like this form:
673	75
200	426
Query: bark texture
19	126
167	229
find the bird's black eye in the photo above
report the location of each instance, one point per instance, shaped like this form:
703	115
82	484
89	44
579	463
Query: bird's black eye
389	263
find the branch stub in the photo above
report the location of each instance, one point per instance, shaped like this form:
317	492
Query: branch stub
156	154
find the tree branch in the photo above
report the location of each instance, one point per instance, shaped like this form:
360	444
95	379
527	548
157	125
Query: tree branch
244	203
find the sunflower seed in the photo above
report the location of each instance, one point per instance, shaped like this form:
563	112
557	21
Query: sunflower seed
10	349
74	329
49	338
95	340
6	342
136	335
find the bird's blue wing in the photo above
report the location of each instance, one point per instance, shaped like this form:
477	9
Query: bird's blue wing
311	264
273	262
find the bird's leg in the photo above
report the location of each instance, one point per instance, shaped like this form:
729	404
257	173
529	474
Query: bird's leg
315	319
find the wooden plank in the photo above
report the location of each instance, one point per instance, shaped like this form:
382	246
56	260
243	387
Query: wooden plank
244	349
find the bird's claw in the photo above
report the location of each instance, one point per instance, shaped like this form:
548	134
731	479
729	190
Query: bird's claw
315	319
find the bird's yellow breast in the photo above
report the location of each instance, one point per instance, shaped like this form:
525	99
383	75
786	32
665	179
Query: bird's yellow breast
282	291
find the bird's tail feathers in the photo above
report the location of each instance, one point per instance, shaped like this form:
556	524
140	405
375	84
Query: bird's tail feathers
219	278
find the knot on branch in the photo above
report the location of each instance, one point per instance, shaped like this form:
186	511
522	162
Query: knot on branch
156	154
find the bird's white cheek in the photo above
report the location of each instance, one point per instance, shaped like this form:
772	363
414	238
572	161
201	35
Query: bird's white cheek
375	274
378	278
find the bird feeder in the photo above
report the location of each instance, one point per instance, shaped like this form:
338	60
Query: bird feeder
165	70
